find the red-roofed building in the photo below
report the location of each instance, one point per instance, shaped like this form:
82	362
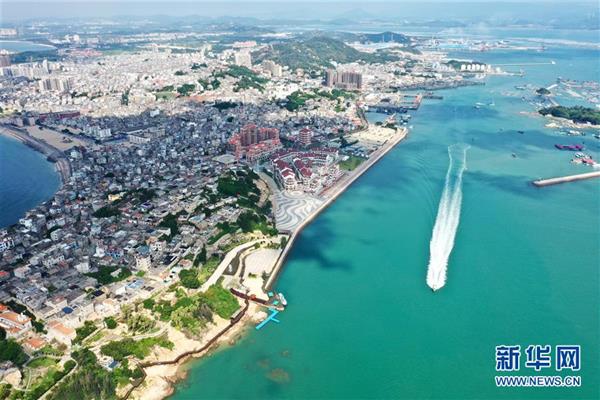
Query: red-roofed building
305	170
15	325
34	344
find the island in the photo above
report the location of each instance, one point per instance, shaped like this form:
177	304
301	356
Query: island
577	114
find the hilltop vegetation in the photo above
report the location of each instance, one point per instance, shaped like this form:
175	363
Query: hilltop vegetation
576	114
317	52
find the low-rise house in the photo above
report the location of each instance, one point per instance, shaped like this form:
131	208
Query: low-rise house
15	325
61	333
33	344
106	307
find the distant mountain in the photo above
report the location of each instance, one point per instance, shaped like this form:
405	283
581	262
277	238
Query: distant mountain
316	52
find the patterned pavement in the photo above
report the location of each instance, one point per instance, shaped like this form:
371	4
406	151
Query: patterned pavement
292	208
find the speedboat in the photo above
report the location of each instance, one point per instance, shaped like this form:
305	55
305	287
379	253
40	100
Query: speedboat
282	299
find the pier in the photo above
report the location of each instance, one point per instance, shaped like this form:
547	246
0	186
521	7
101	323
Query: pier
408	103
564	179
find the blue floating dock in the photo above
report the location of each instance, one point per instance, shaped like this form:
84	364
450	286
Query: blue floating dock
271	317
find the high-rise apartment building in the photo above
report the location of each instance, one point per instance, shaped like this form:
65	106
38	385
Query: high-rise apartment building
343	79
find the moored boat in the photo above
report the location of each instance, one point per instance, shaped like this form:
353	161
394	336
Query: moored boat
282	299
569	147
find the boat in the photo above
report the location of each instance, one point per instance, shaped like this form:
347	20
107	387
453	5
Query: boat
391	119
282	299
521	132
569	147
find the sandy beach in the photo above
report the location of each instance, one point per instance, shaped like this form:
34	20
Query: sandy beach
61	163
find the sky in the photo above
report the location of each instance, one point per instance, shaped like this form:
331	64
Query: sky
19	10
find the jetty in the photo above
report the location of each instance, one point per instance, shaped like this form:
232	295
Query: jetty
564	179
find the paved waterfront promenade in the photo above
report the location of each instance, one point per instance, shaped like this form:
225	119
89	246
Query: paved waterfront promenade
293	208
331	194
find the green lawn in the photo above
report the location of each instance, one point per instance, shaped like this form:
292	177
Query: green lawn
351	163
42	362
208	268
164	95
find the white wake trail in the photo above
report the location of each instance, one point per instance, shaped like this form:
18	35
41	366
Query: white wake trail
446	223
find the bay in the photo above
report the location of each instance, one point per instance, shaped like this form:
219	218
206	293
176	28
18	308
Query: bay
26	180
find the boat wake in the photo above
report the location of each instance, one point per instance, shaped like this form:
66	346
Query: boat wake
448	217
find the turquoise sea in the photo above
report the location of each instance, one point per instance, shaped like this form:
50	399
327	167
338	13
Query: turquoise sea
362	323
26	180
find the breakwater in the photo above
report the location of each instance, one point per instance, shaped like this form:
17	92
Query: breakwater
565	179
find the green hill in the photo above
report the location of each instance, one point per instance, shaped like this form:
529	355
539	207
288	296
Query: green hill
316	52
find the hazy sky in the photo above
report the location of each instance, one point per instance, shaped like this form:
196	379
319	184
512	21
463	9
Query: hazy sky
15	10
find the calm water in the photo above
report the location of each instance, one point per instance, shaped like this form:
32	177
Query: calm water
19	46
361	322
26	180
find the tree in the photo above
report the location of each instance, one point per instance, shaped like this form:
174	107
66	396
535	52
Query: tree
139	323
12	351
189	278
148	304
200	257
86	384
110	323
83	332
220	300
84	357
2	333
